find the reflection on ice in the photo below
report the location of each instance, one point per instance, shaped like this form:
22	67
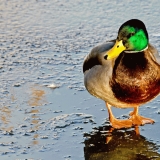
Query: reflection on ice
35	141
107	144
37	96
5	113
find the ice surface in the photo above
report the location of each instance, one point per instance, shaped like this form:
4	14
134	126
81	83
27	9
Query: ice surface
45	110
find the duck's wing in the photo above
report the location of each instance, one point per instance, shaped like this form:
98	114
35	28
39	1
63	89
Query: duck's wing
155	53
96	56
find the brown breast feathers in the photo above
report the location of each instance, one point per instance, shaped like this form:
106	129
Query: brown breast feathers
136	78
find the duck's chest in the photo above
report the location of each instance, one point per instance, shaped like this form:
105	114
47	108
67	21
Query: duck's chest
135	79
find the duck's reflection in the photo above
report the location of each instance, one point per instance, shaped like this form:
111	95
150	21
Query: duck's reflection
106	143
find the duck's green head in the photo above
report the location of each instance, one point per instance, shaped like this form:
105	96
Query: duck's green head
132	37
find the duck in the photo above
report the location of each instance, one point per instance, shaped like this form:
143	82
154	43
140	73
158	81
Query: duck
124	73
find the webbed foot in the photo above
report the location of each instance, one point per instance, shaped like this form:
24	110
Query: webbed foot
118	124
138	120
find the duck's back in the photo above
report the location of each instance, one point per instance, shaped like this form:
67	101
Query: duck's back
96	56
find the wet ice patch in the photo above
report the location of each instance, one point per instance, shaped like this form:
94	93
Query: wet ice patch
65	120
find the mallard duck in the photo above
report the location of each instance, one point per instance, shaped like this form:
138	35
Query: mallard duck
124	72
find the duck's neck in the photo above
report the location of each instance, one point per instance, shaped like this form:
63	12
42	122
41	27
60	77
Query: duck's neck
134	61
130	62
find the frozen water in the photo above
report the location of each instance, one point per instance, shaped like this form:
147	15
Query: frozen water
45	109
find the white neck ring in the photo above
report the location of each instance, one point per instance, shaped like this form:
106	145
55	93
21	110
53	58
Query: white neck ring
136	51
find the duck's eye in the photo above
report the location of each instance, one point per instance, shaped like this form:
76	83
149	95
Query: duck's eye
124	42
130	35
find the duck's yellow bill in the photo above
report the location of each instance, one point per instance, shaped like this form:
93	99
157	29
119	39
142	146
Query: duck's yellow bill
115	50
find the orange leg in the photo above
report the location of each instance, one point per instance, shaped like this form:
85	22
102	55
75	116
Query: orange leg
136	129
139	120
118	123
109	137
